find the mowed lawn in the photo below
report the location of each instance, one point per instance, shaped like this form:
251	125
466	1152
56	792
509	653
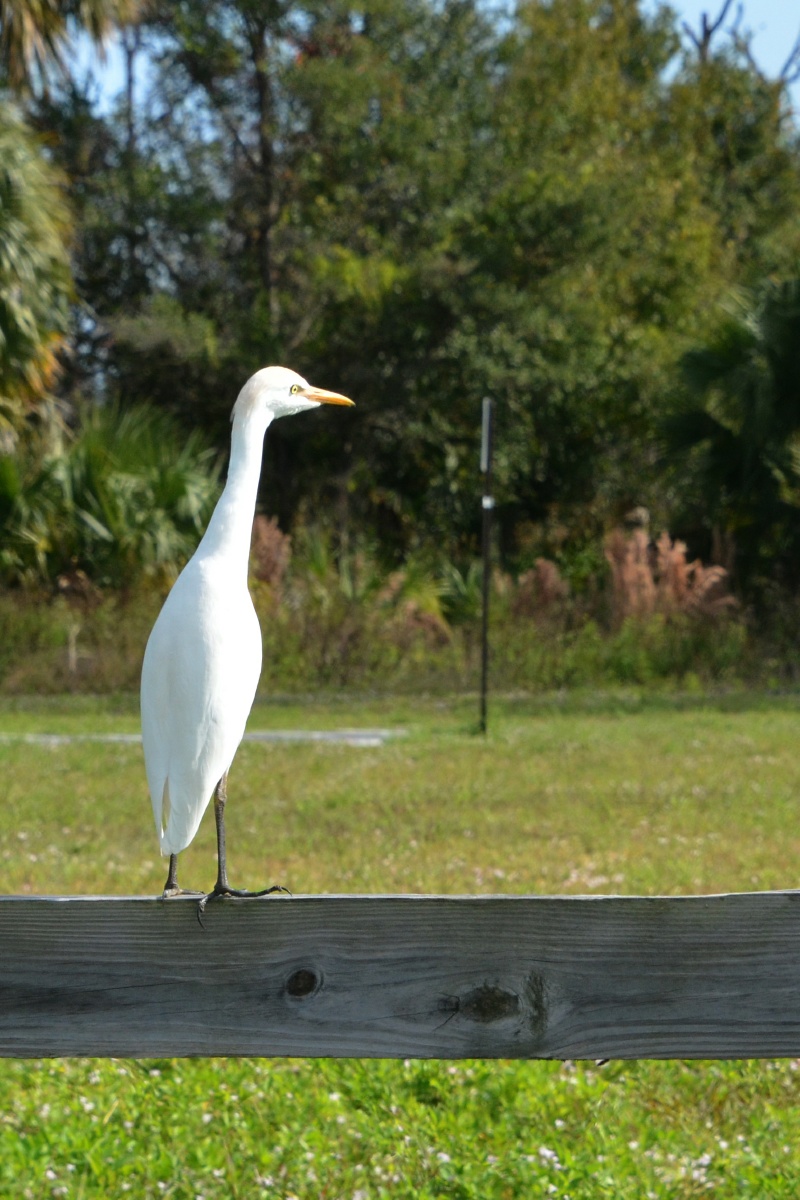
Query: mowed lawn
616	794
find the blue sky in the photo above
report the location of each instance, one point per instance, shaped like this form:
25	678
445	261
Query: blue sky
774	25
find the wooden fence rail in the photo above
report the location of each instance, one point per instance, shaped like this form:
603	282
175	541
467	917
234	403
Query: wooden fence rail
403	976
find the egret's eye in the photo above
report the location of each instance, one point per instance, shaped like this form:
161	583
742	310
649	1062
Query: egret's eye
294	389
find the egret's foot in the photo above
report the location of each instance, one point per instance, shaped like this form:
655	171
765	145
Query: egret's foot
169	892
222	890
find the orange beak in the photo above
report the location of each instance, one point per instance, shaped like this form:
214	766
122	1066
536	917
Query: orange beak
324	397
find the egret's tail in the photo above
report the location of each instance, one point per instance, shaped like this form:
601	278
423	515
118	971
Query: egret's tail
176	822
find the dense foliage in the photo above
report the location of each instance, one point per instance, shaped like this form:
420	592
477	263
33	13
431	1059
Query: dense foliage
127	495
739	429
419	203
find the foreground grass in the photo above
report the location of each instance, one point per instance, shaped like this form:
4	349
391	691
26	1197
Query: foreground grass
628	796
226	1128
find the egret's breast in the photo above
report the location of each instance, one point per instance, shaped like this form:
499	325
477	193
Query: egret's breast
203	663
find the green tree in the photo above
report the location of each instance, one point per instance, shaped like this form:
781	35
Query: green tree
363	130
419	205
563	277
737	434
734	127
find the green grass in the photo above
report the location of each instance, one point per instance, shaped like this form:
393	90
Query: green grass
627	793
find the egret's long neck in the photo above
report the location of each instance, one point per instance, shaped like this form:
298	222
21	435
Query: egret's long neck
229	530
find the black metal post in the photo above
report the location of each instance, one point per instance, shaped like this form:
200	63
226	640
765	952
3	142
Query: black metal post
487	506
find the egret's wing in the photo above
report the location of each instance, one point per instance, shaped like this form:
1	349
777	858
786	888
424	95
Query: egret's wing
199	678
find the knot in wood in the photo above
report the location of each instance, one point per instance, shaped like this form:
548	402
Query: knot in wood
302	983
488	1003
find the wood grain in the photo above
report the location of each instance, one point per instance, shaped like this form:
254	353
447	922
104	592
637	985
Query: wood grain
403	976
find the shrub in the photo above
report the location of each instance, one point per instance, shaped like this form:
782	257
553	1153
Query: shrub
647	579
332	618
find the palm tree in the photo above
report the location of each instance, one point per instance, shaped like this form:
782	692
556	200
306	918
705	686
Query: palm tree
738	429
35	280
126	497
35	33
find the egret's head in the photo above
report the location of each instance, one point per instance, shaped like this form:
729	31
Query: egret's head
281	392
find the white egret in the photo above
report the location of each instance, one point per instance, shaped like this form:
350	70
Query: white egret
203	658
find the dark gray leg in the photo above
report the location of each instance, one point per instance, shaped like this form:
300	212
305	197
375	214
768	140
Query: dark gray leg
222	887
171	886
220	800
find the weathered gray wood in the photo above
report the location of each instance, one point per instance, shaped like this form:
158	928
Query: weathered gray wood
397	976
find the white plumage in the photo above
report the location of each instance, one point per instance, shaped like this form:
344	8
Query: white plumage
199	679
203	658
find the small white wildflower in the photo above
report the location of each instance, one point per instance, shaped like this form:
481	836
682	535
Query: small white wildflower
559	1124
155	1073
50	1174
443	1156
334	1096
207	1118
